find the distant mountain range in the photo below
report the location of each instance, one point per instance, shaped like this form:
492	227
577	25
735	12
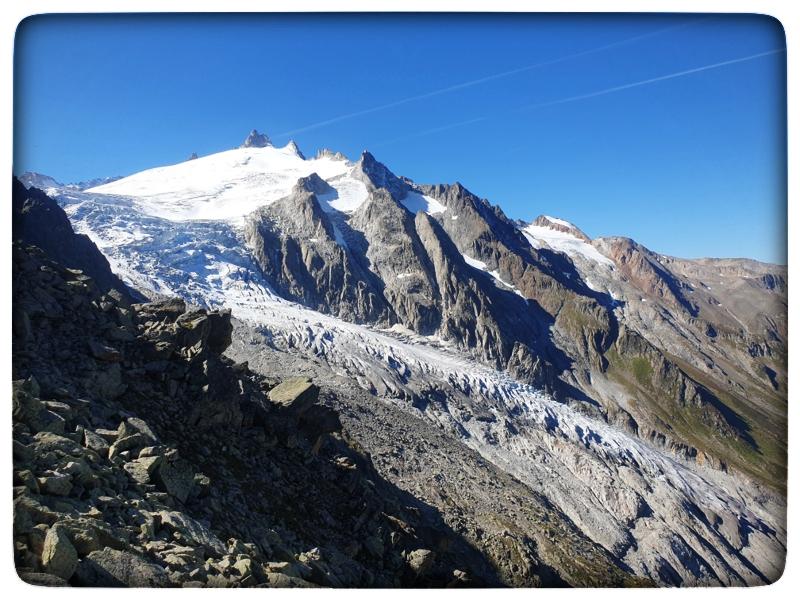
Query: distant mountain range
641	396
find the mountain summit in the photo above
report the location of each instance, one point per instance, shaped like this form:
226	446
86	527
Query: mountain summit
256	140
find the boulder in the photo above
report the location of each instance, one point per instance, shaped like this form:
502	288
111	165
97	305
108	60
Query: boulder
56	485
134	425
46	441
142	469
95	442
420	561
109	435
192	531
169	309
59	556
89	535
137	440
119	568
295	395
249	571
104	353
175	478
27	479
279	580
42	579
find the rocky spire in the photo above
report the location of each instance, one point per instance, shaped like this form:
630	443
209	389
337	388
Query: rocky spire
256	140
376	174
328	153
292	145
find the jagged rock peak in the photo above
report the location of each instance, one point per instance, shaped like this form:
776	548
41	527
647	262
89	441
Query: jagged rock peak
293	147
313	183
256	140
328	153
377	175
560	225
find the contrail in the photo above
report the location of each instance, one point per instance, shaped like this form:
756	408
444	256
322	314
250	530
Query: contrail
628	86
602	92
474	82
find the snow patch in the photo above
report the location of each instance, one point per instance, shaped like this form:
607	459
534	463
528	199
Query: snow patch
561	241
482	266
561	222
474	262
416	202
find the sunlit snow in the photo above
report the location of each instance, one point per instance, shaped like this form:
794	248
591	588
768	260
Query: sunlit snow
416	202
229	185
562	241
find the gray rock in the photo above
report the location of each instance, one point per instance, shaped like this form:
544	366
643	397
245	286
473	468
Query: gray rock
117	568
420	561
280	580
134	425
56	485
256	140
192	531
104	353
295	395
42	579
59	556
142	469
136	440
95	442
175	478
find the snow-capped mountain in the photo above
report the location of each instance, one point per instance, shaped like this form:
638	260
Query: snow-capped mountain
229	185
642	395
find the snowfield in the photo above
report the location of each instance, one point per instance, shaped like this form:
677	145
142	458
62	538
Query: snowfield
561	241
416	202
229	185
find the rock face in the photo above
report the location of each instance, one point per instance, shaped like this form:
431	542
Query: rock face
256	140
191	450
37	219
316	270
467	274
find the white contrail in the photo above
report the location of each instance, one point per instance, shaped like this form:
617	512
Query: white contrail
474	82
628	86
602	92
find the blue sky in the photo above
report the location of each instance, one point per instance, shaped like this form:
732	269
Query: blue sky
612	122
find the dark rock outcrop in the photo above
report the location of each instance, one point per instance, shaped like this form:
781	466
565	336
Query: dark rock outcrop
256	140
38	220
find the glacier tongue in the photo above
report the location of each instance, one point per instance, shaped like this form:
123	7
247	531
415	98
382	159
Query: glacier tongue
665	519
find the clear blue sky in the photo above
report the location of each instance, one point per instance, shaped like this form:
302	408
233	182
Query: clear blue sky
688	163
